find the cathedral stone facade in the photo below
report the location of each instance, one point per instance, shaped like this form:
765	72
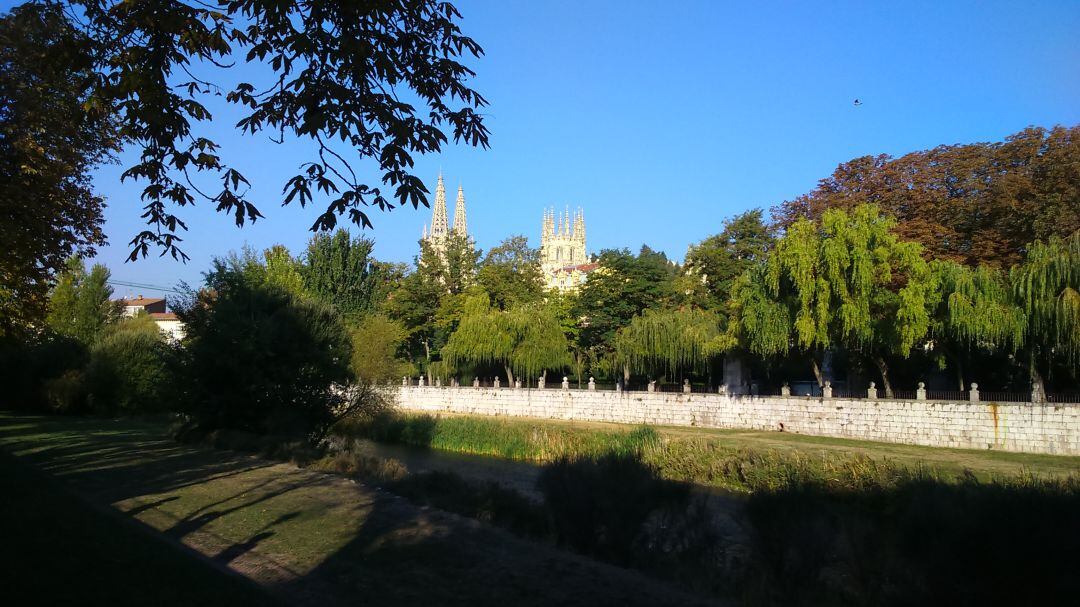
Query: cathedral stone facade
563	258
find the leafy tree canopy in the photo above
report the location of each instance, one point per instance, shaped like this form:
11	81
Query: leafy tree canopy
976	204
379	81
847	281
375	343
510	273
620	289
50	138
80	305
526	339
670	341
1047	287
340	270
718	260
260	360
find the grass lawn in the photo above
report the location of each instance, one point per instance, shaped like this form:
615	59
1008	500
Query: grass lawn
311	538
683	448
60	550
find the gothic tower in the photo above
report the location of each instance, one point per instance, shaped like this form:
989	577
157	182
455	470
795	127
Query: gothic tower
439	225
460	226
563	257
440	231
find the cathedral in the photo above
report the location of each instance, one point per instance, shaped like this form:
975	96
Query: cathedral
563	259
440	229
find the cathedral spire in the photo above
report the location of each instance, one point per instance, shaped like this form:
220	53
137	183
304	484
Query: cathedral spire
460	226
579	225
439	224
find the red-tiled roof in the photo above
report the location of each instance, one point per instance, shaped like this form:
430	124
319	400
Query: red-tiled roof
584	267
163	316
141	301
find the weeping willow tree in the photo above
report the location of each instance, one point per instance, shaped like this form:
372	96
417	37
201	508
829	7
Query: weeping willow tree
670	341
526	339
1046	286
973	308
847	281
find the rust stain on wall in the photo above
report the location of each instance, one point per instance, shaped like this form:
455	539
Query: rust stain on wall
994	414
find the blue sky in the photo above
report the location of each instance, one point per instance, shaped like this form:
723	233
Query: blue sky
661	119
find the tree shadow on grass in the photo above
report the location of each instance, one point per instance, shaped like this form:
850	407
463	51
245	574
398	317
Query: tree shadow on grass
390	553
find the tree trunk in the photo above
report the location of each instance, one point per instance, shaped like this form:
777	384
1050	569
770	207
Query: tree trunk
1038	385
884	370
626	375
509	376
817	371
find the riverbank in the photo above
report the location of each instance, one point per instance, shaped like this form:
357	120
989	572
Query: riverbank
703	456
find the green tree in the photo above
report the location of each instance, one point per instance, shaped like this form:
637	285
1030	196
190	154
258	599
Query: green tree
526	339
430	299
340	270
51	137
375	343
671	341
510	273
719	260
283	270
973	309
1047	288
618	290
80	305
377	81
258	359
847	281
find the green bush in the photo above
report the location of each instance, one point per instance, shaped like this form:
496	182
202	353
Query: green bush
42	376
908	538
259	360
600	506
131	369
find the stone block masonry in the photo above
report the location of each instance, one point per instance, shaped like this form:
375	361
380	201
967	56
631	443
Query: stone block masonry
1031	428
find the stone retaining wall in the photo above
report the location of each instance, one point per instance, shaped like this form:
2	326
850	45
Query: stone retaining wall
1032	428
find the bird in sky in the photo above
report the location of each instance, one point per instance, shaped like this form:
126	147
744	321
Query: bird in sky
858	103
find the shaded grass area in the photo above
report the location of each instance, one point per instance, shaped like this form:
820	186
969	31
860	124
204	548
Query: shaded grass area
58	550
810	531
314	538
708	457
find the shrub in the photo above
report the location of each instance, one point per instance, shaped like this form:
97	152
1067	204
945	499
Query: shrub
31	374
67	393
600	505
260	360
131	369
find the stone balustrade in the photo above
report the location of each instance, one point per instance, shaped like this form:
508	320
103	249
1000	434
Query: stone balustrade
967	424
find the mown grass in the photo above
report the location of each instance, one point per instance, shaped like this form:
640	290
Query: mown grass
61	551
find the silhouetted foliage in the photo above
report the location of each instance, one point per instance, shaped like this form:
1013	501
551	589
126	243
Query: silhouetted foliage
601	506
909	538
51	137
378	81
